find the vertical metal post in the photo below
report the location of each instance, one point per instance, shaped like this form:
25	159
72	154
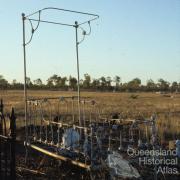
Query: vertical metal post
78	85
73	117
5	159
120	139
1	107
13	145
91	145
154	146
5	143
25	87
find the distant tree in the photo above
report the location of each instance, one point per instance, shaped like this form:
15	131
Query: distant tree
54	79
117	81
102	82
72	82
3	82
134	85
57	81
108	81
50	83
63	81
174	86
38	82
137	81
124	87
16	85
87	81
81	83
28	82
163	85
95	84
151	85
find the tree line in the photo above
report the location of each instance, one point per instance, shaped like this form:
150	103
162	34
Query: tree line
88	83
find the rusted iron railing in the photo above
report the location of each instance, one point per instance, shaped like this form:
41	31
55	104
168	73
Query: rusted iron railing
7	144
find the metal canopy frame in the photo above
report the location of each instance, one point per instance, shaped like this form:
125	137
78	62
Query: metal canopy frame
95	16
76	25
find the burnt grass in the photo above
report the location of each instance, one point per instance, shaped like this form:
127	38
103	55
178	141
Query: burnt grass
42	167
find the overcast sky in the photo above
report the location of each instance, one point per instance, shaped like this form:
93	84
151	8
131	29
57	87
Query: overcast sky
132	38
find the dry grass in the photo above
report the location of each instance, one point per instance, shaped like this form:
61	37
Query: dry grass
145	102
144	105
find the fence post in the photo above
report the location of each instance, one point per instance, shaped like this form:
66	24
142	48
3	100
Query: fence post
13	145
1	107
5	143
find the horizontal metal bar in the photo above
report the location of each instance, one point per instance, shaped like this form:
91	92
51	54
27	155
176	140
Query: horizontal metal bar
65	10
51	22
49	98
5	137
77	163
64	124
56	123
55	145
30	170
61	124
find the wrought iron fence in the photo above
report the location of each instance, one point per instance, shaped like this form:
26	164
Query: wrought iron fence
7	144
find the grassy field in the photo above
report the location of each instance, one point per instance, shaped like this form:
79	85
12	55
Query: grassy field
130	105
143	103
